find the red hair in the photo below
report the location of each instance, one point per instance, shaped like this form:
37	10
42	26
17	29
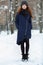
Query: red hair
28	9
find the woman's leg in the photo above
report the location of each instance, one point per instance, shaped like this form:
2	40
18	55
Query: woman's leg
22	50
27	46
22	47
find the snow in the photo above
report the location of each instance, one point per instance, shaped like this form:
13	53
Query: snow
10	52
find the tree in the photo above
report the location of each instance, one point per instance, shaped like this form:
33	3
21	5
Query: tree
40	15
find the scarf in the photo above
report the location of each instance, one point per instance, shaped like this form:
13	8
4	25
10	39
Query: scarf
24	12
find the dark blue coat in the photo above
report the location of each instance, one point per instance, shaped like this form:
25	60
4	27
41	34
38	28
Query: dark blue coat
24	26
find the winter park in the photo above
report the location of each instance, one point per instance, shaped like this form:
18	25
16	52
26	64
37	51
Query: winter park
21	32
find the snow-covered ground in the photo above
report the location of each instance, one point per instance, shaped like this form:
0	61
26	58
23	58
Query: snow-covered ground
10	52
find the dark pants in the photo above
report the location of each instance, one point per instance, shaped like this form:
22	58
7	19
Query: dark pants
27	46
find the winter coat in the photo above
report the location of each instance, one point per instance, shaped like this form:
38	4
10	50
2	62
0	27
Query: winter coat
24	26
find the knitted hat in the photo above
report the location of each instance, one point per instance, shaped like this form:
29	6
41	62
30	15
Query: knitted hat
24	2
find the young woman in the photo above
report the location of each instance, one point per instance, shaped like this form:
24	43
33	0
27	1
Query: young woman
24	25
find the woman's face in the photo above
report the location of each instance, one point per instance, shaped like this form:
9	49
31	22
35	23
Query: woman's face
24	6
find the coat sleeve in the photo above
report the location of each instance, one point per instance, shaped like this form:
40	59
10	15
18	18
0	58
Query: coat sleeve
17	20
30	21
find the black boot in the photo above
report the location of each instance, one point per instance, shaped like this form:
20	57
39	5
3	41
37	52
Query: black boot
25	57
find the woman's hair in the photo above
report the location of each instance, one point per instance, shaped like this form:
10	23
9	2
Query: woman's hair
28	9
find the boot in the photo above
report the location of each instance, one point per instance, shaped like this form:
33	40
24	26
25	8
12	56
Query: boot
25	57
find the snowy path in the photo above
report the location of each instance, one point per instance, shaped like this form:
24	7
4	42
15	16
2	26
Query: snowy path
10	53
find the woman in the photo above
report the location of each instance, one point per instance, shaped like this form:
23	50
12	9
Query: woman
24	25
